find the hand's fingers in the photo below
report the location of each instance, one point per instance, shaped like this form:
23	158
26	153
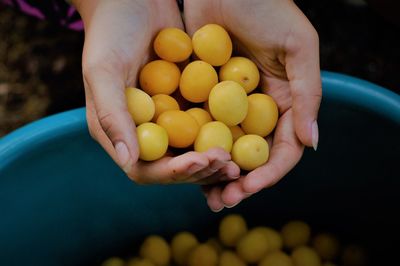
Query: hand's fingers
215	178
218	158
169	169
95	129
108	91
206	190
233	193
220	168
285	153
214	200
303	72
231	170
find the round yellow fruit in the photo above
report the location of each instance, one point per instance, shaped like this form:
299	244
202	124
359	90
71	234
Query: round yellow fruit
202	116
231	229
181	127
252	247
173	45
197	80
162	103
262	115
181	245
250	151
203	255
237	132
230	258
156	249
140	105
326	245
274	238
295	233
276	258
159	77
243	71
305	256
213	134
228	103
215	244
113	261
211	43
153	141
139	262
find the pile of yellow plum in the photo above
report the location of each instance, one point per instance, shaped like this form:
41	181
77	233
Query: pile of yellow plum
196	96
238	245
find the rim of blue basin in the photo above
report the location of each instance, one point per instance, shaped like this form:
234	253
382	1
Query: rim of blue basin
336	87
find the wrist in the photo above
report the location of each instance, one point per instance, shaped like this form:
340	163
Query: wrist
89	8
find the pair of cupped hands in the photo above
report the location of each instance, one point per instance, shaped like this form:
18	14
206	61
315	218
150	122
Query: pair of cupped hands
275	34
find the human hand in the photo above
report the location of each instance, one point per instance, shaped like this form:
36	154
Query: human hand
118	36
277	36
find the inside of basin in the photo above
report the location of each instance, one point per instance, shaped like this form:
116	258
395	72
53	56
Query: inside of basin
68	204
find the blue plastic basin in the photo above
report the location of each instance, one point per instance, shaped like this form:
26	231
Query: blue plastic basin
64	202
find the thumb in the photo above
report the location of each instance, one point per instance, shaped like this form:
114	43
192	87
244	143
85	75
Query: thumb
302	66
108	92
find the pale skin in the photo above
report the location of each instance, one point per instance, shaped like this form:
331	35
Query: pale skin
273	33
278	37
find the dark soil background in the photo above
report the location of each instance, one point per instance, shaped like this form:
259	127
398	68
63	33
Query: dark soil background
40	63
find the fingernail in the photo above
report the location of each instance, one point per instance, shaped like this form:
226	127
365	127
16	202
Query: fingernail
231	206
217	164
195	168
218	210
128	167
229	178
315	135
122	153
